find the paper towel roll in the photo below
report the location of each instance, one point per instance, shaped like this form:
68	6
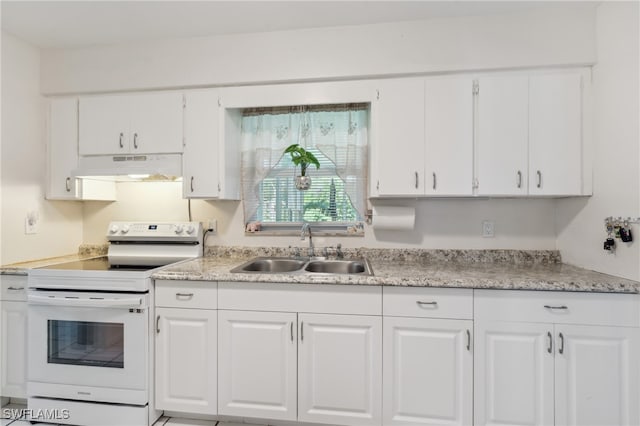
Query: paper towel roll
394	218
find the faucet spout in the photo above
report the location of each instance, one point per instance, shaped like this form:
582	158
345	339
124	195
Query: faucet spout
306	230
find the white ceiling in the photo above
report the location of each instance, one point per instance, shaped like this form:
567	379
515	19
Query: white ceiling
66	24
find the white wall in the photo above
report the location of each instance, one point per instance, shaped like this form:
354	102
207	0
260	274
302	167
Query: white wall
519	224
616	180
539	37
23	165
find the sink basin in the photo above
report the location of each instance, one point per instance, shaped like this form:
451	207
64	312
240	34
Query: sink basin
274	265
339	267
289	265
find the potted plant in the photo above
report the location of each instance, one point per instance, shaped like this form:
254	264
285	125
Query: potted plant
303	158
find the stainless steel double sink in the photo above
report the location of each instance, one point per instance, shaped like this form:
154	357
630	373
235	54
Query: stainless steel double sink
294	265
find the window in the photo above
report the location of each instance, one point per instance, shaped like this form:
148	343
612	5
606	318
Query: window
335	134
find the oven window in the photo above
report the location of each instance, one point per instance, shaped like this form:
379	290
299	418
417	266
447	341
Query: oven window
99	344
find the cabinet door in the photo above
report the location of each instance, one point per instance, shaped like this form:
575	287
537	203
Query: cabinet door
257	364
62	149
513	374
399	138
503	133
104	125
449	136
14	349
340	368
156	123
428	372
186	354
597	376
201	151
555	136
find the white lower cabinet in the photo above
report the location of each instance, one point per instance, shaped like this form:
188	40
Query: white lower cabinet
513	374
13	338
541	360
339	365
428	366
257	364
321	365
186	347
596	375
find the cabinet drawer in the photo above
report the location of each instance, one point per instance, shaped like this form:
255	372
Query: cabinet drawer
187	294
14	287
427	302
558	307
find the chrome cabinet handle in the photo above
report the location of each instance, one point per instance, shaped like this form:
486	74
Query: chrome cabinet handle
519	179
562	307
189	295
120	142
191	183
434	181
292	331
378	186
416	180
420	303
550	348
158	324
539	176
468	340
301	331
135	140
561	349
15	288
67	184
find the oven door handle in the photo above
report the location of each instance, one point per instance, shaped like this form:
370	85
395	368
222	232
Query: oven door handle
130	302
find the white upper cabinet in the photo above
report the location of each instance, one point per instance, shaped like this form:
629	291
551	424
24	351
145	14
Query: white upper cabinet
492	134
399	138
62	157
62	149
149	123
502	135
449	136
200	160
555	134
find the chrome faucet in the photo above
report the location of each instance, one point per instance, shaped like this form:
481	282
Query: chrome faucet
306	229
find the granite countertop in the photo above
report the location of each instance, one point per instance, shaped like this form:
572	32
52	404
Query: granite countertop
84	252
480	269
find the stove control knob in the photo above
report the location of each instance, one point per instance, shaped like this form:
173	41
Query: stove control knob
190	229
113	229
125	229
179	229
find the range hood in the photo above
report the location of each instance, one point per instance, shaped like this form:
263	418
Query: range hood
130	167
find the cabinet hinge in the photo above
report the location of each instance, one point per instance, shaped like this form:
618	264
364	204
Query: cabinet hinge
476	87
219	102
184	101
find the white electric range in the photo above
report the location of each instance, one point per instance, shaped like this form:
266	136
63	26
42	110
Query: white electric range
90	347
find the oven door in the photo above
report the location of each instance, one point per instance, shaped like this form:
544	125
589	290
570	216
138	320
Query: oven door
90	346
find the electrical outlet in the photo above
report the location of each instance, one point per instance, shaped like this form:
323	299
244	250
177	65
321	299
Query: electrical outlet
488	228
31	222
213	225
